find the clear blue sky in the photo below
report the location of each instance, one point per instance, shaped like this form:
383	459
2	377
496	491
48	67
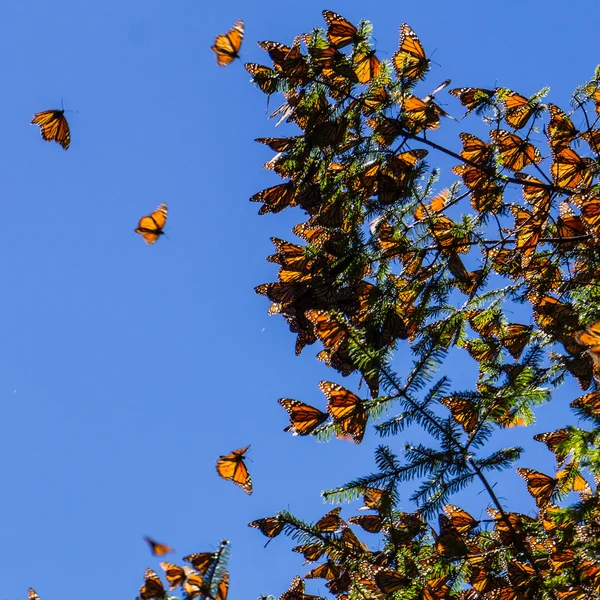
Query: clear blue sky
127	369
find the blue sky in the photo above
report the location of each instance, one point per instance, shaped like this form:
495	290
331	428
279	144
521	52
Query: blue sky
128	369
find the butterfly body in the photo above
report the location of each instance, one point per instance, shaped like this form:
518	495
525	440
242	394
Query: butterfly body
151	226
53	126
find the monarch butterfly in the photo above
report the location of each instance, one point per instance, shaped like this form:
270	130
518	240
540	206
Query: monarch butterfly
231	466
591	338
528	231
473	98
419	115
571	171
303	417
555	440
410	60
201	561
536	193
561	131
514	152
157	548
151	226
518	109
269	526
475	150
175	575
276	198
515	338
589	205
346	408
569	224
390	581
328	570
296	591
366	65
311	552
152	587
540	486
328	329
263	77
53	126
223	587
330	522
588	404
449	542
195	586
463	411
462	521
340	31
227	45
370	523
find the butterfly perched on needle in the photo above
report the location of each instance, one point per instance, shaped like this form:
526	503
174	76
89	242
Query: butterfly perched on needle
53	126
227	45
232	467
157	548
151	226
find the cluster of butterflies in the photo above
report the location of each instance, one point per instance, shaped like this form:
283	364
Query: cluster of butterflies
54	127
202	579
459	540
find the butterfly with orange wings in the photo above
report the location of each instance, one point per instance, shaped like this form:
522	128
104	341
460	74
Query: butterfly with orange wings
303	417
53	126
340	32
151	226
227	45
347	410
157	548
232	467
410	60
590	338
152	587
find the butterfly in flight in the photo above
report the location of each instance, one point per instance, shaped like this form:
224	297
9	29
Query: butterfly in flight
53	126
231	466
151	226
227	45
157	548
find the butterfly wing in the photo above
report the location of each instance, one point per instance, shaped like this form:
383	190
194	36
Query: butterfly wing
53	126
227	45
232	467
151	226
